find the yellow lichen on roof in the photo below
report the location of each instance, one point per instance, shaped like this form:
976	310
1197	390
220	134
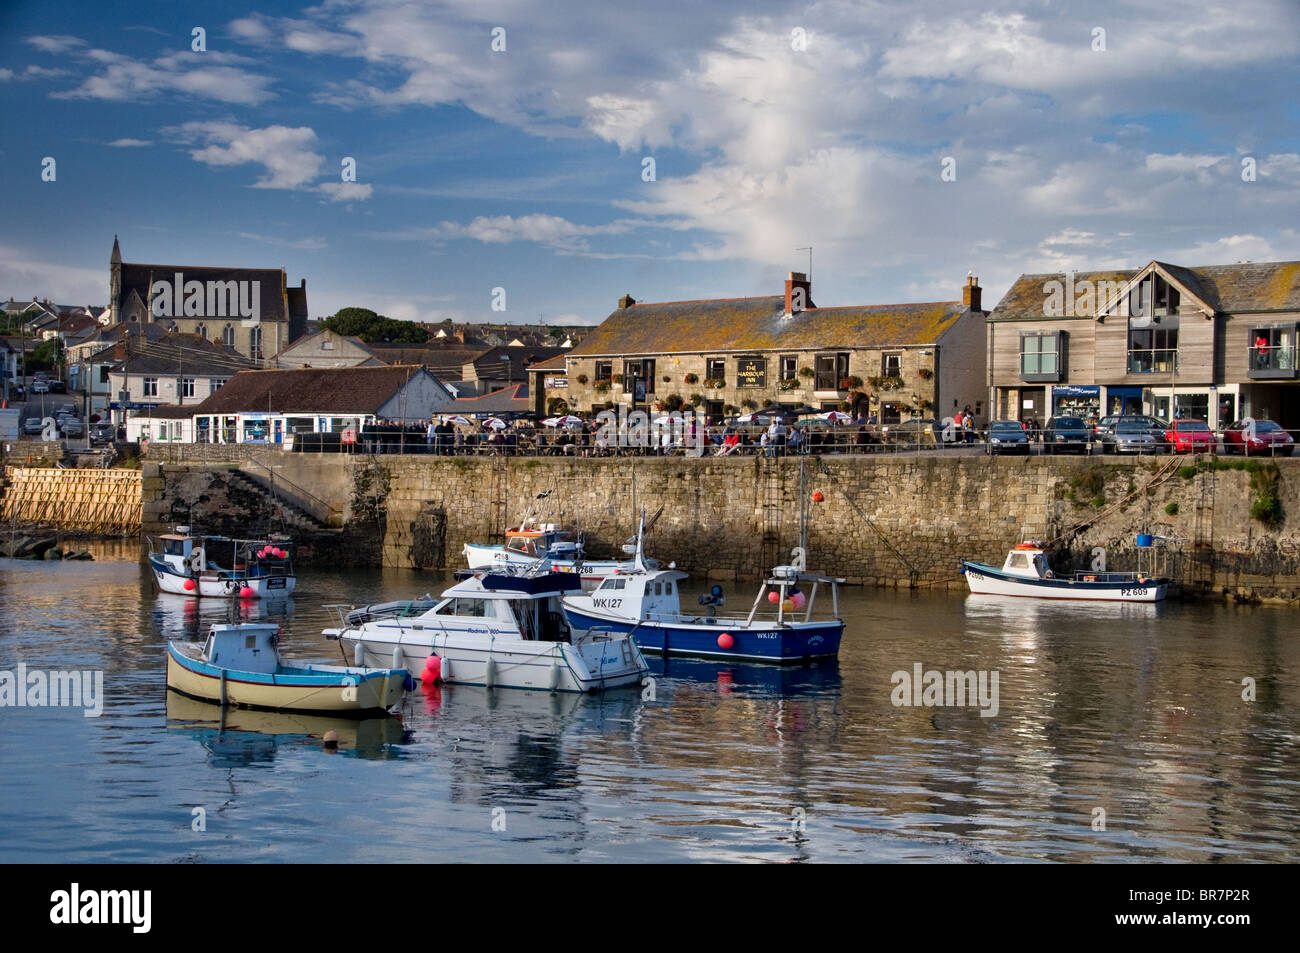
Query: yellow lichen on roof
1281	290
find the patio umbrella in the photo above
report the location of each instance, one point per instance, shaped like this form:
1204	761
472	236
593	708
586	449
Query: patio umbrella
496	423
753	418
458	419
567	420
836	417
805	411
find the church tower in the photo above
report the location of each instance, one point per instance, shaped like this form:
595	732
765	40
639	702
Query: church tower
115	284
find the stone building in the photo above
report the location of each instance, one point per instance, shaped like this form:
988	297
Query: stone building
251	310
1214	343
739	354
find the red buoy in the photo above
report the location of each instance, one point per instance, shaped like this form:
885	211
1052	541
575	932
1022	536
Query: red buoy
246	592
432	670
817	496
189	585
725	641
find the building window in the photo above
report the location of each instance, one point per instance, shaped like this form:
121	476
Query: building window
831	369
215	384
187	387
255	344
891	365
715	369
1152	345
201	330
103	374
604	372
1272	351
1040	356
1153	297
789	366
151	387
228	335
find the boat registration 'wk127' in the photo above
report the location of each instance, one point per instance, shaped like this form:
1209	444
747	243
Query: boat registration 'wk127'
1025	573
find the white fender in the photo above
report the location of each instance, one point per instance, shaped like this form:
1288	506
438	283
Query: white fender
359	655
490	673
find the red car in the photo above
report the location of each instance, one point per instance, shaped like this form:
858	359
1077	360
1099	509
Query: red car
1257	436
1191	436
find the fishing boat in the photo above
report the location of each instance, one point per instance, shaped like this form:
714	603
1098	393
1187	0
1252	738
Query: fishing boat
780	626
535	542
503	628
1026	573
239	664
187	564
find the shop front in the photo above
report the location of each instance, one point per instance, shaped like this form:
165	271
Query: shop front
1123	401
1076	400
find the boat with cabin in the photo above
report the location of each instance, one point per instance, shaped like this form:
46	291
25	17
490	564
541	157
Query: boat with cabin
535	542
780	626
189	564
1026	572
239	665
503	628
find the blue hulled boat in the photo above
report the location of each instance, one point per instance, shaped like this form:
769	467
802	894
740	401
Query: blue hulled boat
644	603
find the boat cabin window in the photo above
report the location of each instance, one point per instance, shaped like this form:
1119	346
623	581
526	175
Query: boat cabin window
472	608
659	588
618	583
174	547
1019	561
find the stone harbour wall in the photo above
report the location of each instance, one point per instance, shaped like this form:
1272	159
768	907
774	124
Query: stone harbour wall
896	521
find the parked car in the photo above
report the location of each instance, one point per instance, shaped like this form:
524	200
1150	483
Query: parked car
58	387
1133	435
917	432
1191	436
1265	436
1007	436
40	386
33	425
66	410
72	427
102	434
1067	434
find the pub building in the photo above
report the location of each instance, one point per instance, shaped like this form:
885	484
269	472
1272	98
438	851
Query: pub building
723	356
1215	343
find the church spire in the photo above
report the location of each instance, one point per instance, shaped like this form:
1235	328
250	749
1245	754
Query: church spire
116	258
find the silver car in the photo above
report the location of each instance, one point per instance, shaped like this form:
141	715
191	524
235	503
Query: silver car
1134	435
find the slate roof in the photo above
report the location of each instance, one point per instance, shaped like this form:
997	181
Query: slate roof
310	390
519	357
187	355
736	325
272	303
1229	289
512	399
446	363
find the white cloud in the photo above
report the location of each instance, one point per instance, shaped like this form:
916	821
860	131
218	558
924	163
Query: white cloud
223	77
55	280
129	143
283	152
302	244
55	44
346	191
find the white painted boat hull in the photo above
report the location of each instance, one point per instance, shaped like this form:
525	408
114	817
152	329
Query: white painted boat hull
983	581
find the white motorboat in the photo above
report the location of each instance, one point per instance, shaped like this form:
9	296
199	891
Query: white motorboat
502	629
187	564
1026	573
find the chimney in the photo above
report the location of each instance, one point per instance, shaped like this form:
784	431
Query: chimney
626	302
970	295
798	293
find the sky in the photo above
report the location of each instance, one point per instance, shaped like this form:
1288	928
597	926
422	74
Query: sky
573	151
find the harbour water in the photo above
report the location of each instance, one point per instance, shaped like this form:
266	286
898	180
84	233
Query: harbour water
1134	711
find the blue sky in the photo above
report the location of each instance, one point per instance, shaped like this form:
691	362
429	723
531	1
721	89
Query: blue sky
772	126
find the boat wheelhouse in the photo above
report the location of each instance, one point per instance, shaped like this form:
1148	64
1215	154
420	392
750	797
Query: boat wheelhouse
780	627
187	564
535	544
1025	572
503	628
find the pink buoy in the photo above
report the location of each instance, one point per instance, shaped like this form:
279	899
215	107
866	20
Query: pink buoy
725	641
189	585
773	597
261	553
798	599
246	592
281	554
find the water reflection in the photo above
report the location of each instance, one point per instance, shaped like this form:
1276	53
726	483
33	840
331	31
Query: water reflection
240	737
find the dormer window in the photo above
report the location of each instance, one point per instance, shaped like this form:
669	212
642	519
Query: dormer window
1153	297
